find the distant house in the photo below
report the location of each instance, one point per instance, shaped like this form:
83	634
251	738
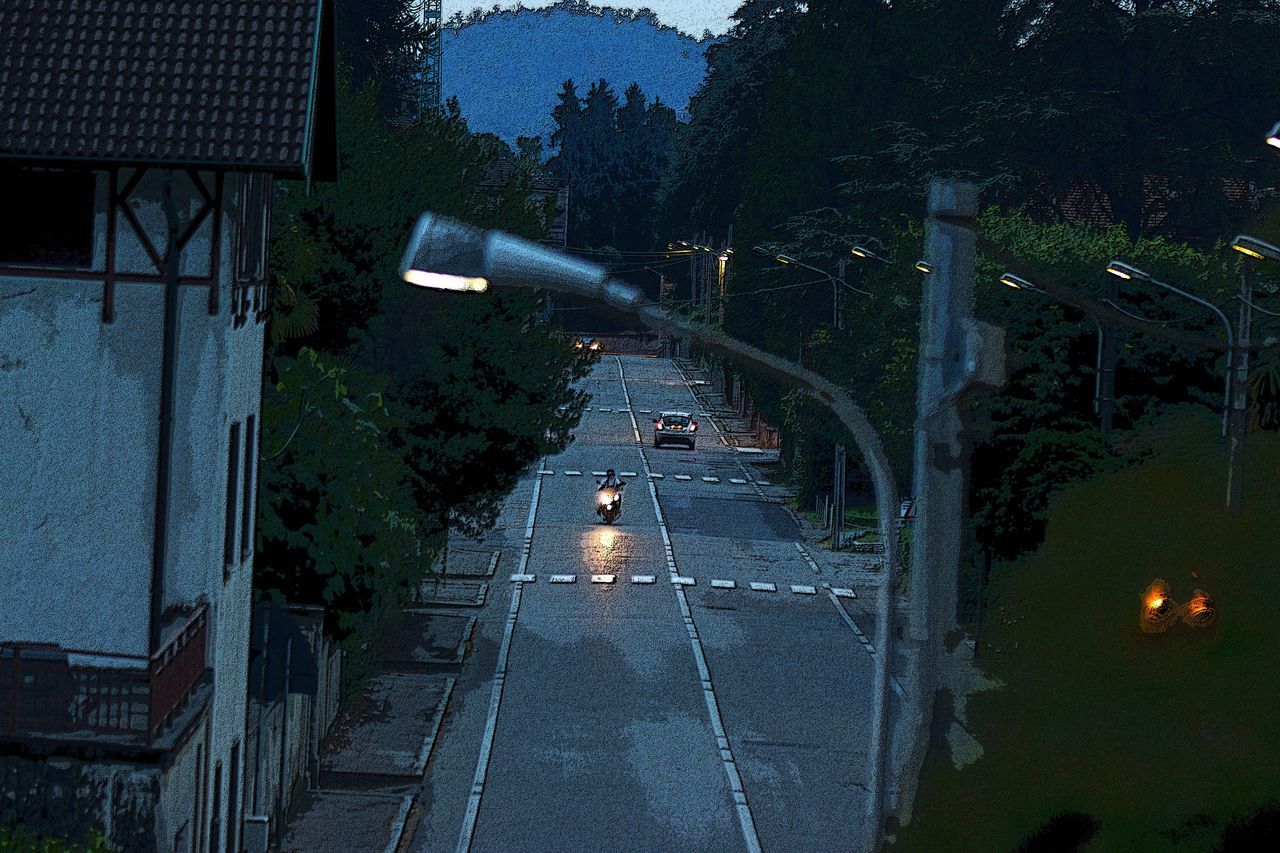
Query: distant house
546	192
138	142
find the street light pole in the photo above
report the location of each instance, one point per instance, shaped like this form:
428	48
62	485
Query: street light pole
444	253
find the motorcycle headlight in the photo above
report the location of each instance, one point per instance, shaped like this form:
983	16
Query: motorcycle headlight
604	498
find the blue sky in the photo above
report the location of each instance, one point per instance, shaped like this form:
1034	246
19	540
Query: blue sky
690	16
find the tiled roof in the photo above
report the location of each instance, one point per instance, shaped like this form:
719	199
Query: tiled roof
161	81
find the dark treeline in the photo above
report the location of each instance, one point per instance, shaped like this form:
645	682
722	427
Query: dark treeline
820	124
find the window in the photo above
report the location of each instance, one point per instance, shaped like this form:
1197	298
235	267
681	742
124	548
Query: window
47	219
233	470
233	798
215	815
251	252
246	512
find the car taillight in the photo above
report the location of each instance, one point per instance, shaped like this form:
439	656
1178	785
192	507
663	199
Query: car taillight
693	427
657	424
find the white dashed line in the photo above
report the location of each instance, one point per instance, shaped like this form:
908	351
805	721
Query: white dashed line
627	474
808	559
547	473
598	473
522	578
643	579
604	410
656	476
723	584
499	680
563	578
573	473
680	580
645	411
763	483
843	592
737	481
683	477
710	479
745	819
603	578
763	587
802	589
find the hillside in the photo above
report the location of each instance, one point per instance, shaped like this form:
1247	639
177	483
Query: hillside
505	67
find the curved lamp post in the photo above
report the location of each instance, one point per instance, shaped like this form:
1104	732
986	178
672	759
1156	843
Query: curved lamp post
445	254
1019	283
1127	272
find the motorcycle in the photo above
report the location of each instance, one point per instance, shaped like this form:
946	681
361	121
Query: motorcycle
609	503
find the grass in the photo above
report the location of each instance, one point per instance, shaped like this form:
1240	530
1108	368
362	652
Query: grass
1141	732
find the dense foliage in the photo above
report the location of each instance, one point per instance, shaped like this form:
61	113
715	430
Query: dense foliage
820	124
392	413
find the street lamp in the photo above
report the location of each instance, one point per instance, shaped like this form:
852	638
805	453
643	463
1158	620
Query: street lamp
1273	138
1128	272
1020	283
1252	247
864	252
447	249
924	266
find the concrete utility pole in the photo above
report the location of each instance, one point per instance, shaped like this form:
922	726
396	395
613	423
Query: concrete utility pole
1238	419
837	305
957	352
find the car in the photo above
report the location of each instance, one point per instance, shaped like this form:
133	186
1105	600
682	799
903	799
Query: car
586	344
675	428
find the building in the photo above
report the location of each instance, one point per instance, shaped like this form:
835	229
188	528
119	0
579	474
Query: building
138	143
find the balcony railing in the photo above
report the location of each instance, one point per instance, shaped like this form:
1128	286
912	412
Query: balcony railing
45	690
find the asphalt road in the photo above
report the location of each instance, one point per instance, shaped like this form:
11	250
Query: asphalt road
655	716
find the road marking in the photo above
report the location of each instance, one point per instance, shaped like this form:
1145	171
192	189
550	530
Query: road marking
680	580
808	559
683	477
843	592
862	638
749	450
499	680
653	476
763	587
624	410
547	473
710	479
763	483
604	410
563	578
599	473
573	473
523	578
603	578
802	589
745	819
627	474
642	579
723	584
645	411
737	481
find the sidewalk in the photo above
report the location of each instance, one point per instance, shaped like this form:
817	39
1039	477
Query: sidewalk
372	767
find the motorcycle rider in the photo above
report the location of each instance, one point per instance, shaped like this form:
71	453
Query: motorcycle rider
610	481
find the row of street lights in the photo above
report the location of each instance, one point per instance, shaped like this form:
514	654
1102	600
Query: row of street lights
1234	421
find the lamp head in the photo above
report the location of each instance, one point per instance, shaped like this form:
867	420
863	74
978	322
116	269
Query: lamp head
446	255
1273	138
785	259
1255	248
924	266
1120	269
1017	282
861	252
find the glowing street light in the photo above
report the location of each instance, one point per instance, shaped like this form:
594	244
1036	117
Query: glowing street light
438	281
864	252
1273	138
1159	610
924	266
1202	611
1017	282
1120	269
1254	248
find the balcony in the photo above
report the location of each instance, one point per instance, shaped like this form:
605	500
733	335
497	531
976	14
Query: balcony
62	694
